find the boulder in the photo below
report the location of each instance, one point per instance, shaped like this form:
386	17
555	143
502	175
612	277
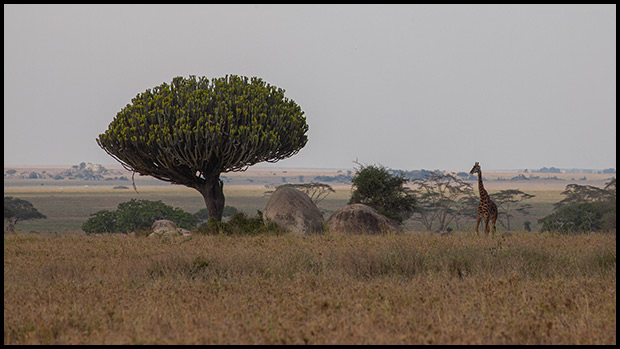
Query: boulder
293	210
360	219
167	228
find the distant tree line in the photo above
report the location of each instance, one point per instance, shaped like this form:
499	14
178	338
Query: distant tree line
341	178
84	171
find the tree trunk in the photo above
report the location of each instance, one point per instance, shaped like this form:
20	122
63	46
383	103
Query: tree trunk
10	225
213	193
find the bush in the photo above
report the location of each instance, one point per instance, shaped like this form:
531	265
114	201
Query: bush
103	221
579	218
240	224
376	187
136	215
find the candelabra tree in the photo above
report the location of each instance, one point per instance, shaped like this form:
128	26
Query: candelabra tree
192	130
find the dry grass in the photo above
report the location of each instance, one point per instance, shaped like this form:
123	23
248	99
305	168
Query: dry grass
411	288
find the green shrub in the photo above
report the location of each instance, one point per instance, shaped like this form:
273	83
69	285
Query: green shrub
579	218
103	221
376	187
137	215
240	224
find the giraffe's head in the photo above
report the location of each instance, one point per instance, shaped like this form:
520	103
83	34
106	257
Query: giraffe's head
475	169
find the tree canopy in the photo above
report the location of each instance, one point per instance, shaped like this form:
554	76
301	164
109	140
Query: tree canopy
374	186
510	200
16	210
578	194
190	131
585	208
443	198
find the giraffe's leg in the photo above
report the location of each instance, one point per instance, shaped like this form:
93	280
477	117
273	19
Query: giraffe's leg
477	224
493	221
486	225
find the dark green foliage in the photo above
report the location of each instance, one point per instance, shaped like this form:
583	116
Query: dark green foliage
374	186
16	210
240	224
577	194
103	221
192	130
581	218
20	210
585	208
136	215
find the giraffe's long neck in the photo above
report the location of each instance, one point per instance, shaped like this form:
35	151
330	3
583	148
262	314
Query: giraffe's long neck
484	196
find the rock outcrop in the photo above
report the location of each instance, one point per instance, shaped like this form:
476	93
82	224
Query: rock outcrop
360	219
167	228
293	210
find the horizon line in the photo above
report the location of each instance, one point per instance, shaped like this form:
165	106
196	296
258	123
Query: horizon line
118	165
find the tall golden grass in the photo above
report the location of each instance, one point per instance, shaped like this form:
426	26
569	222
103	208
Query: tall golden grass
412	288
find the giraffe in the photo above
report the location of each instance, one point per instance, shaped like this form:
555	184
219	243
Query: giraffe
487	208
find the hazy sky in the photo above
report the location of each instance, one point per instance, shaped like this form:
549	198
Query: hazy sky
405	86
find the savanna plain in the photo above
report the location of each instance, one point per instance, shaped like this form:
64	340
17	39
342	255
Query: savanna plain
62	286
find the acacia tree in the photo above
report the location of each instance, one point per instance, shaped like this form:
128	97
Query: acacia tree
442	198
16	210
192	130
511	200
578	194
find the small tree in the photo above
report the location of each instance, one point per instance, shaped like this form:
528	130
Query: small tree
191	131
509	201
374	186
442	199
16	210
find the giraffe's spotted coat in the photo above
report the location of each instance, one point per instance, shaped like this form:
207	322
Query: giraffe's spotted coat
487	208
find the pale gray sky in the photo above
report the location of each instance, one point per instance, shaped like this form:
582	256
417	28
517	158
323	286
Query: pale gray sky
405	86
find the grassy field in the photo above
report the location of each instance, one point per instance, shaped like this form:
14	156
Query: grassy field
411	288
64	287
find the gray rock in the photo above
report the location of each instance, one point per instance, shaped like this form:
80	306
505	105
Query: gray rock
293	210
167	228
360	219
